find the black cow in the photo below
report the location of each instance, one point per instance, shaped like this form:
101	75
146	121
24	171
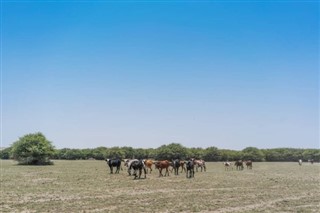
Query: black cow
114	163
175	166
190	168
138	165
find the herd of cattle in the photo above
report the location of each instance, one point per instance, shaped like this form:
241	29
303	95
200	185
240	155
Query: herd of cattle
135	167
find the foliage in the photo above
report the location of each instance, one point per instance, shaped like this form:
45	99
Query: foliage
5	153
252	153
171	151
114	152
176	150
32	149
211	154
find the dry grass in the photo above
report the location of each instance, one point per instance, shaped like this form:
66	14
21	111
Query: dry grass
87	186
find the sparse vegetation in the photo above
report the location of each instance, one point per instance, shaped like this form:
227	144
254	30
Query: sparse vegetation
87	186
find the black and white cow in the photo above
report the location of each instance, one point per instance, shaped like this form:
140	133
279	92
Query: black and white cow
137	165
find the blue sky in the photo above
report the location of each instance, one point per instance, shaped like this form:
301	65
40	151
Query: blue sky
227	74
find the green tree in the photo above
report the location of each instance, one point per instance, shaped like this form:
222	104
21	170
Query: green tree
211	154
115	152
229	155
32	149
171	151
195	153
253	153
128	152
5	153
99	153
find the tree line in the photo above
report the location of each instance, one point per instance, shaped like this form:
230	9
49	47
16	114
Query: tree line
170	151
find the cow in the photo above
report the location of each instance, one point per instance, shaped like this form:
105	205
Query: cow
148	164
190	168
183	165
311	161
138	165
160	165
227	165
201	164
128	163
114	163
175	166
248	164
239	164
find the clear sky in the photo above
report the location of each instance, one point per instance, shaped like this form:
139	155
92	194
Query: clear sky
229	74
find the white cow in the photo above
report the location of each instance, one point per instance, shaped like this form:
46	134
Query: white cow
227	165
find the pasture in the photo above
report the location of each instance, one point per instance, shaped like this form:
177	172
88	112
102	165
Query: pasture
87	186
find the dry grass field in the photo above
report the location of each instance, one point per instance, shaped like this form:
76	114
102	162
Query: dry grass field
87	186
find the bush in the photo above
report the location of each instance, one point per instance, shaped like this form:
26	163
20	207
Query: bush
5	153
32	149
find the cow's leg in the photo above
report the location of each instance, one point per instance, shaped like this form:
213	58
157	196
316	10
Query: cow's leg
145	173
140	172
135	173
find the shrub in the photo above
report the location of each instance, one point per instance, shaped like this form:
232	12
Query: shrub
32	149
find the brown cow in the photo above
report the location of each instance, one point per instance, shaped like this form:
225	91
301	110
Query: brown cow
183	166
148	164
239	165
162	165
248	164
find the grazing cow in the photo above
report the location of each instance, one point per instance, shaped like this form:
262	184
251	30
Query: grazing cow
248	164
201	164
148	164
183	165
239	165
162	165
128	163
114	163
138	165
300	162
227	165
175	166
190	168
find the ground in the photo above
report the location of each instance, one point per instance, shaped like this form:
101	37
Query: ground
87	186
